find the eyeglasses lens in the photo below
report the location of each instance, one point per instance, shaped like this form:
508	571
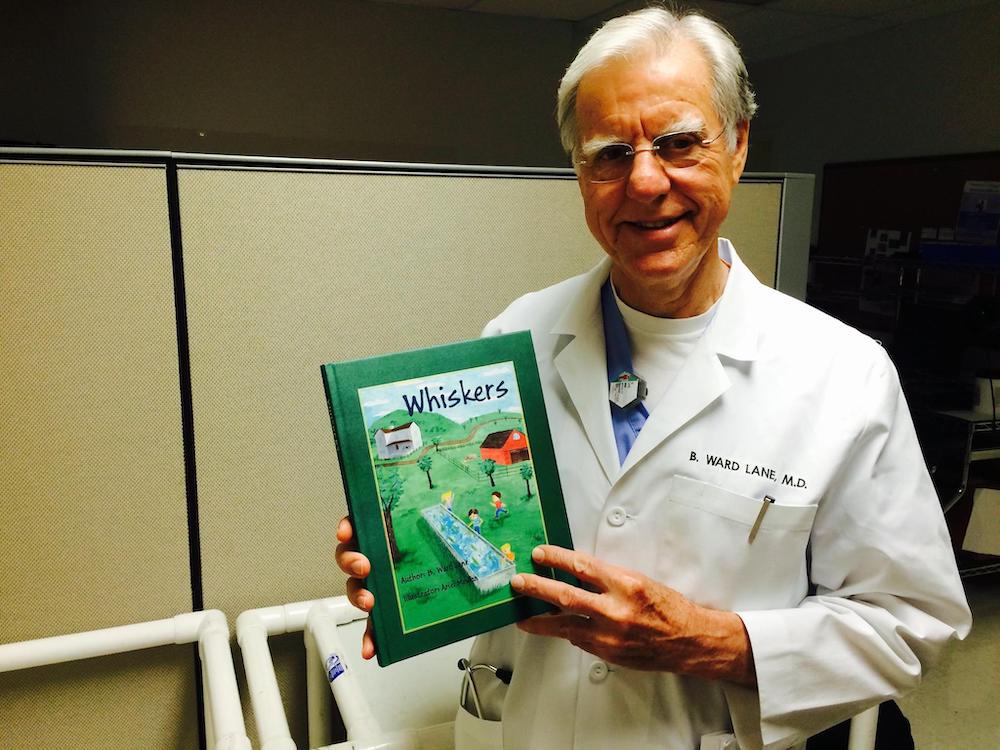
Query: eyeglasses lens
674	150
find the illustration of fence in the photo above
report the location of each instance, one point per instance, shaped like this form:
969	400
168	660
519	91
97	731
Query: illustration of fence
459	465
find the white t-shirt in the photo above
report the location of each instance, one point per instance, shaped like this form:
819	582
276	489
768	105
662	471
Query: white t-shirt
660	345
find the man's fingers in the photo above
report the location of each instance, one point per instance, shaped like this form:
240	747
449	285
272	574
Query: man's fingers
347	556
368	642
567	598
579	564
352	562
575	629
357	566
345	530
359	596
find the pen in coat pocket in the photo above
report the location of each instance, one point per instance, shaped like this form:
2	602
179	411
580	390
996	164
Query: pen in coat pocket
765	504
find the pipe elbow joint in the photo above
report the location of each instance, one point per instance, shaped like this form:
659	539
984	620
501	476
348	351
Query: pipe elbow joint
249	623
213	622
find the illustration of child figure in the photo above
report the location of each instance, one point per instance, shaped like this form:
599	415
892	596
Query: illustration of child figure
507	551
475	521
499	505
447	500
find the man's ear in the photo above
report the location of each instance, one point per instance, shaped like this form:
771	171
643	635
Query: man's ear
740	152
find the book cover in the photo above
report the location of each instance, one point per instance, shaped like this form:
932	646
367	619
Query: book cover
451	481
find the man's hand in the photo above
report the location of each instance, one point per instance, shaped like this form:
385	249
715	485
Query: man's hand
357	568
634	621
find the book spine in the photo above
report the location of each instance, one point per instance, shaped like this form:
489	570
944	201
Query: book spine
332	392
384	652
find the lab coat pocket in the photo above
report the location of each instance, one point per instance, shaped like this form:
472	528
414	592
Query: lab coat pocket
472	733
713	557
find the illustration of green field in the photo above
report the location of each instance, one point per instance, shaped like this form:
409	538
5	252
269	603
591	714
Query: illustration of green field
431	472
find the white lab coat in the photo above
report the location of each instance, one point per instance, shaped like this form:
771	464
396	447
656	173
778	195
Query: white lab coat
850	588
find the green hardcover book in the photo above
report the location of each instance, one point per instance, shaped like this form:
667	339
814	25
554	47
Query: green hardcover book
451	481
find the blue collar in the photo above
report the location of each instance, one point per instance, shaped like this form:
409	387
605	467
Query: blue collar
626	422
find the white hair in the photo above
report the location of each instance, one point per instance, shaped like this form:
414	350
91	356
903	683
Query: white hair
654	30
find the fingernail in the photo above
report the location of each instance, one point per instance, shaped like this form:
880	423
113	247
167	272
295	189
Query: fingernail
517	581
537	554
358	568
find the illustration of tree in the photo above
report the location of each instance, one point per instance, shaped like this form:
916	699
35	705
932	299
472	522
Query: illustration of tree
488	466
526	475
424	464
437	444
390	487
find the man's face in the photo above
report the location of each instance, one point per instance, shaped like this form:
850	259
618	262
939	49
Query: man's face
657	224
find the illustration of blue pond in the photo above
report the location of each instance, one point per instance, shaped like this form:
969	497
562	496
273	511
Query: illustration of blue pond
485	565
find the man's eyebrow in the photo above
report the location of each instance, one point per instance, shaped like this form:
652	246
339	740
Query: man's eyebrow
689	124
591	147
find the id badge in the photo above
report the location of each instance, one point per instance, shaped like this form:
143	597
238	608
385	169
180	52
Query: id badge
626	390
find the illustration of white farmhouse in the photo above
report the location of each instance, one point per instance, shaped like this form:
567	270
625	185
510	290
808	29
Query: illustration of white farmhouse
398	441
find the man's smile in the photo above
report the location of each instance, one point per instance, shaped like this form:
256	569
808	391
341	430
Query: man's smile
655	224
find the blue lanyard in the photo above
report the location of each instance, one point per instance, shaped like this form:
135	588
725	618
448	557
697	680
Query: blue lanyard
626	422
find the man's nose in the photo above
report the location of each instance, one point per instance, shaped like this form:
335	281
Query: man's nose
648	179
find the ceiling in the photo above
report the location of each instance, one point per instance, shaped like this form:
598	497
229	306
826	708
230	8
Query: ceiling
764	28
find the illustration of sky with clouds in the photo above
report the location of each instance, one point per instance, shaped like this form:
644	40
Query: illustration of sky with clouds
379	400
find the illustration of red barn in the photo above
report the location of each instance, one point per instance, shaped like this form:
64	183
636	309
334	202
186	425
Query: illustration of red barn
505	447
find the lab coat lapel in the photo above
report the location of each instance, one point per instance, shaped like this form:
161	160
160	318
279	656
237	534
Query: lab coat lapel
582	365
700	381
731	336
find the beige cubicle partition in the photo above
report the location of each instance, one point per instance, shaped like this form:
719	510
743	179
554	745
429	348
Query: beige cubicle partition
94	516
752	225
285	267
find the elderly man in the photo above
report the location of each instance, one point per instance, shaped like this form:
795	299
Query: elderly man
759	547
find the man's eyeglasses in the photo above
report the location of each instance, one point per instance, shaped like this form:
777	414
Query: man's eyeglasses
678	150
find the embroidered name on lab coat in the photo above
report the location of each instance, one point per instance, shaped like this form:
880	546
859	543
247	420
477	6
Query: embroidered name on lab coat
751	469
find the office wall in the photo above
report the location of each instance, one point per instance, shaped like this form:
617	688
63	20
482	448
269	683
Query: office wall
921	89
345	79
324	78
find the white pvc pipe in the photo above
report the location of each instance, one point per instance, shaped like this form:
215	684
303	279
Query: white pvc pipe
224	714
207	706
252	630
863	729
72	647
358	719
268	711
226	710
318	697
